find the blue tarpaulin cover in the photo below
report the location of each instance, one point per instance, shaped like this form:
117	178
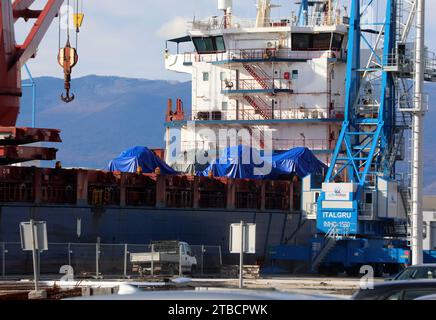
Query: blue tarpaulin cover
130	160
299	161
241	162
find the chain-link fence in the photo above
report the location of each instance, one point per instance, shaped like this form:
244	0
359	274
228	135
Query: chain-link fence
98	260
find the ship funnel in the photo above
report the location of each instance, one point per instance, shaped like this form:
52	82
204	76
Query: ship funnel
223	5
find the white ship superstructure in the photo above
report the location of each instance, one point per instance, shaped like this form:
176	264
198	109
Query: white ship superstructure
283	75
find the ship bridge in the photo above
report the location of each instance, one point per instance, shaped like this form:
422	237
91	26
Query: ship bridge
284	75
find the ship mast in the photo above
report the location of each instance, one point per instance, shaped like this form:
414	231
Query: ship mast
263	13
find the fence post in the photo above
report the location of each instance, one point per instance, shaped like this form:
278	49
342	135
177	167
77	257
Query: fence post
152	261
3	260
125	260
39	263
97	258
202	259
180	260
69	254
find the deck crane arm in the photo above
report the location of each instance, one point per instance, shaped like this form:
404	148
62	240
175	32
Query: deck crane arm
13	56
45	17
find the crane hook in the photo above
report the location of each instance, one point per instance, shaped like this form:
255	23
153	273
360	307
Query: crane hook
67	59
67	98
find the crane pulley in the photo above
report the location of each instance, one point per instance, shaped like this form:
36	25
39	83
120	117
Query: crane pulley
68	55
67	59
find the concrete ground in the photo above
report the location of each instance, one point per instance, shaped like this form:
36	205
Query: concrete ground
342	287
307	285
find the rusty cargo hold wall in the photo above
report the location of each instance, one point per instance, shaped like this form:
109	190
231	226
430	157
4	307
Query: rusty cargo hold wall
105	189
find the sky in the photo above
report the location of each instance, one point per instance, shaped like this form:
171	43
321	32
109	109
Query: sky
127	38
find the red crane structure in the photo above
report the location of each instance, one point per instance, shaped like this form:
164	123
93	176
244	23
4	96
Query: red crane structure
12	58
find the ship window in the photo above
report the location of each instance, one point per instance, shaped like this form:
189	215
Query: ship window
301	41
205	76
224	105
220	45
199	44
209	44
222	76
337	41
294	74
322	41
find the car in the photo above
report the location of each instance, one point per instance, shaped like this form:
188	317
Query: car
167	257
423	271
427	298
397	290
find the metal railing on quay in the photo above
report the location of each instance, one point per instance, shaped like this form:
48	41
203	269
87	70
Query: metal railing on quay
109	261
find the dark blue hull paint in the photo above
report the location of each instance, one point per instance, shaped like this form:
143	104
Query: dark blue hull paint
141	226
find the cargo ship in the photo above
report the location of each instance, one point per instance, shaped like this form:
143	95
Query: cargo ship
287	82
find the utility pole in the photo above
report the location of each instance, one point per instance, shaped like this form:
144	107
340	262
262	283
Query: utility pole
417	141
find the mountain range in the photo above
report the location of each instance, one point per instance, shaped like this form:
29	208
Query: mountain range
108	116
112	114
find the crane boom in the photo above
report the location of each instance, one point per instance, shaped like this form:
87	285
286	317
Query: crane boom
29	47
13	56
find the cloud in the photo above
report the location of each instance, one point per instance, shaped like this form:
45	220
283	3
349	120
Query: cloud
174	28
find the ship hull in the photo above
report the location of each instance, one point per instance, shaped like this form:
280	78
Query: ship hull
141	226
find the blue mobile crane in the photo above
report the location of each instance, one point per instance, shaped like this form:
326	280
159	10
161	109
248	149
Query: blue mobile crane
362	209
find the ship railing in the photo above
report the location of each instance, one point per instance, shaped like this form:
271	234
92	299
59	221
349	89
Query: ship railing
313	20
248	200
16	192
366	210
391	60
313	144
430	66
256	84
248	113
61	194
412	104
405	64
264	54
278	144
212	23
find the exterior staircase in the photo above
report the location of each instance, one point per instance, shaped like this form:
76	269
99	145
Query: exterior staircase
260	106
261	77
407	200
329	243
